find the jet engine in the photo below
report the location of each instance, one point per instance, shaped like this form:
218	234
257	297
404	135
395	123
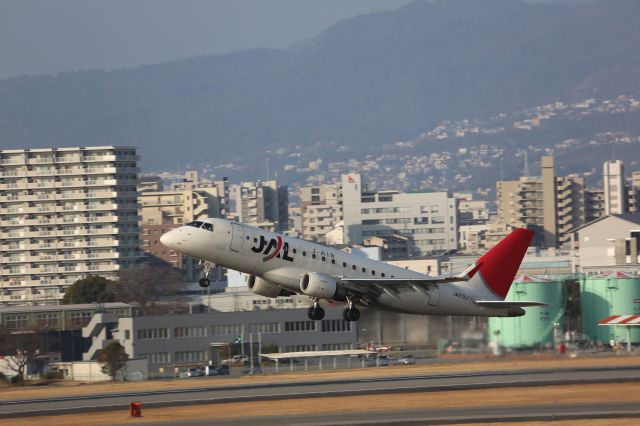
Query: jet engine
265	288
321	286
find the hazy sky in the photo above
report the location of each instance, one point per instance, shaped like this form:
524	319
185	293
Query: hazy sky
49	36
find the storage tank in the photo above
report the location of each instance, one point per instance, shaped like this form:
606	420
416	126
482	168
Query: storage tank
614	293
536	327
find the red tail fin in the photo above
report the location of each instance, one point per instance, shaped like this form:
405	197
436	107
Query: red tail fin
499	265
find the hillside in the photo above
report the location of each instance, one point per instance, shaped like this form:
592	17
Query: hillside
369	80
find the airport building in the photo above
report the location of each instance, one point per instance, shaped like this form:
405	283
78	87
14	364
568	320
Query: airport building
429	220
183	340
65	213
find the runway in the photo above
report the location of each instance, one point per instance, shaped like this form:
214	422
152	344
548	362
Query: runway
319	389
489	414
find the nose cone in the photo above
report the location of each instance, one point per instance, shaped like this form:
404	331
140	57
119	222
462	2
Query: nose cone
170	239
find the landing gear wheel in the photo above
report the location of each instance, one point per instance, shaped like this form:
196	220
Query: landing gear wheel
351	314
315	313
207	267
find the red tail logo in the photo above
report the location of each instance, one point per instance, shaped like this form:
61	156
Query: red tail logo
499	265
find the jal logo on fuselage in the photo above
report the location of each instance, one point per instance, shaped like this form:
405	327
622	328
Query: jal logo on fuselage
280	248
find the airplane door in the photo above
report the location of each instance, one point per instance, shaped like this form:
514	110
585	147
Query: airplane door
434	295
237	236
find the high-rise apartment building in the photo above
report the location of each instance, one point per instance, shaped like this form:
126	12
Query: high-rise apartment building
615	192
549	205
65	213
429	220
321	209
264	204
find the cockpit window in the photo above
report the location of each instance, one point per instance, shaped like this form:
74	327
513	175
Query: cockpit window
207	226
195	224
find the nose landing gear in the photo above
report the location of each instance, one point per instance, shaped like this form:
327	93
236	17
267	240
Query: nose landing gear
315	312
207	267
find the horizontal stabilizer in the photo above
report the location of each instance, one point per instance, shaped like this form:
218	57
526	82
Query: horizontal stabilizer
508	304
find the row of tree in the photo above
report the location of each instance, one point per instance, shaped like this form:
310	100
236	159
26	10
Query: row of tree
145	285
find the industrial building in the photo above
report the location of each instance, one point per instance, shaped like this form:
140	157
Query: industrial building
65	213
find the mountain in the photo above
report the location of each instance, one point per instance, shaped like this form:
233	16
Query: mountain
365	81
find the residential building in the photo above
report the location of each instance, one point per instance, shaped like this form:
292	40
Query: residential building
65	213
162	211
611	241
178	207
264	204
614	183
549	205
191	182
428	219
150	183
472	238
321	208
593	204
634	193
470	211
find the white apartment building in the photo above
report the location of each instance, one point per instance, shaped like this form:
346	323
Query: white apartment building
65	213
428	219
321	208
615	193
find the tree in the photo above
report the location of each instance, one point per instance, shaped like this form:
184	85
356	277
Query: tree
112	359
92	289
148	285
19	350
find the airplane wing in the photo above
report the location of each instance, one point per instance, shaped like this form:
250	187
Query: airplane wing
508	304
370	289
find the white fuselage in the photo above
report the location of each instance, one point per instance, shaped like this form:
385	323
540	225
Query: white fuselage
283	260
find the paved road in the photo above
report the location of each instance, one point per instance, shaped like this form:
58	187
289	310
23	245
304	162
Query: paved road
516	413
321	388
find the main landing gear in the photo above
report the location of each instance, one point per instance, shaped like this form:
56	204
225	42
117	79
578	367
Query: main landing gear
206	271
351	313
315	312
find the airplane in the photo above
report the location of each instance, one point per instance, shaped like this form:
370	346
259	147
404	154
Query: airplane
280	265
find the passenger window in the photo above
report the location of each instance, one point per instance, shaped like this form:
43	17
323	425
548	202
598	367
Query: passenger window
324	258
373	272
382	275
313	256
354	267
294	251
364	269
344	264
333	261
304	253
207	227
